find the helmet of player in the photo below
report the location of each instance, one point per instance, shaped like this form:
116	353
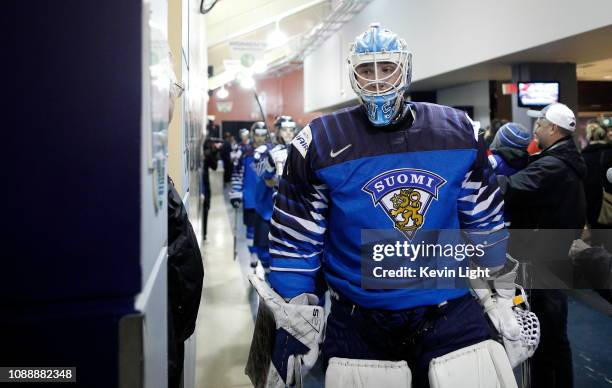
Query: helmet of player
380	70
244	135
259	133
285	129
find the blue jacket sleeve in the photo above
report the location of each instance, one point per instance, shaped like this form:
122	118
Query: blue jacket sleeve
298	226
481	210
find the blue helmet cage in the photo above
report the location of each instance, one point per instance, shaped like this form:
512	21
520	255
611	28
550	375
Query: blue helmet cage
382	97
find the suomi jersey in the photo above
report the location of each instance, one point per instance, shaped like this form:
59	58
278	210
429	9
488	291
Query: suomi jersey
338	169
263	193
244	177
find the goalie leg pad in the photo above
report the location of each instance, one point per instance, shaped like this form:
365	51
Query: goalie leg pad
346	372
484	364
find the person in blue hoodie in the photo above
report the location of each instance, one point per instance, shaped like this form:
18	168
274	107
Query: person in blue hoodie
508	154
509	149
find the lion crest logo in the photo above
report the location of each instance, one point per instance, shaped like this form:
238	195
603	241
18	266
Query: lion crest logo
405	195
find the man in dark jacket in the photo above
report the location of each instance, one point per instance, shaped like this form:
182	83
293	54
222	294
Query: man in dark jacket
185	271
547	201
185	278
210	152
226	149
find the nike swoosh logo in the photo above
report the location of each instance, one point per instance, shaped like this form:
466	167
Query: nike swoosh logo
334	154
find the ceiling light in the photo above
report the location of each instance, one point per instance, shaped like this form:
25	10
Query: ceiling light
247	82
260	67
222	93
276	38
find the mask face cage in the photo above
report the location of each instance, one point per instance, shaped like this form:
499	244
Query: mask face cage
381	93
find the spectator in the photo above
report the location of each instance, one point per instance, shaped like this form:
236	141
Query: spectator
185	272
210	150
509	149
226	149
597	156
185	281
491	131
549	194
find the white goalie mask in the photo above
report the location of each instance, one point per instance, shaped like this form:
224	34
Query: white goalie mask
380	70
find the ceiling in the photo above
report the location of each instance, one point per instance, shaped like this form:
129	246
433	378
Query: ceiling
591	51
306	23
254	20
595	71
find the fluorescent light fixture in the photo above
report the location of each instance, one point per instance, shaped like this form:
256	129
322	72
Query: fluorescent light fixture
276	38
222	93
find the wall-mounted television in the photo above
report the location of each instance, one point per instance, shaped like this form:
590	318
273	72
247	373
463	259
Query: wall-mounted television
537	94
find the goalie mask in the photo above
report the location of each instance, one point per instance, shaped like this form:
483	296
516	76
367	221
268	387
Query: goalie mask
380	70
285	129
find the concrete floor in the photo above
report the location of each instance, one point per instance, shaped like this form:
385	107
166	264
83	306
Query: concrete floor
229	304
225	323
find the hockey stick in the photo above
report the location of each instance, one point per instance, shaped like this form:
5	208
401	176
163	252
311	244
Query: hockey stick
235	232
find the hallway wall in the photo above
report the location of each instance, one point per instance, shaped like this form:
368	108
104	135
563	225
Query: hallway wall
280	94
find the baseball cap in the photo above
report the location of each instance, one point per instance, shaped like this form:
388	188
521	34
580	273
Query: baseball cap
558	114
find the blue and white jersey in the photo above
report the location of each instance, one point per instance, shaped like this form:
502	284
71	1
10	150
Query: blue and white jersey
340	178
244	177
264	201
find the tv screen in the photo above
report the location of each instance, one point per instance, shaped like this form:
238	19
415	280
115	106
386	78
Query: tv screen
537	94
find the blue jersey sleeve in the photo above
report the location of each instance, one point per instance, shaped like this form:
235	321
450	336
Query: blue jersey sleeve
298	225
481	210
261	162
237	178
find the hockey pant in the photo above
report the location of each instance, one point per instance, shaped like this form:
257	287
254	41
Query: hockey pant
416	335
261	242
248	217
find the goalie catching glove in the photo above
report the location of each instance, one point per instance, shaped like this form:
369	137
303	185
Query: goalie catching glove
291	330
509	313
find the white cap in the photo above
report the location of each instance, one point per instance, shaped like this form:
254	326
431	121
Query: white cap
558	114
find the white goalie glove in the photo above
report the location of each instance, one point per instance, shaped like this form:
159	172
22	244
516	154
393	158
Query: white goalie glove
509	313
278	154
292	330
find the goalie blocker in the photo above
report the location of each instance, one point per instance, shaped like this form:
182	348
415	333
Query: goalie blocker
286	339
